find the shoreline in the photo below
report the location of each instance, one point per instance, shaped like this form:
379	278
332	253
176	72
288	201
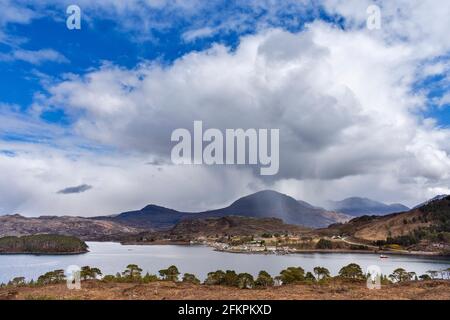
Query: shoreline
388	252
325	251
44	253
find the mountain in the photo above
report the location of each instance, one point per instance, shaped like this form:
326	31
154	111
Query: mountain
357	207
83	228
427	225
266	204
263	204
438	197
150	217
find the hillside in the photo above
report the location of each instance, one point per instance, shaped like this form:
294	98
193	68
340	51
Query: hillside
438	197
42	244
83	228
187	230
263	204
428	225
357	207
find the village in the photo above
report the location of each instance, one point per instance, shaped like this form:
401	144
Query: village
275	244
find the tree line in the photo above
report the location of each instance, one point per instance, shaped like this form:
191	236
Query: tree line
291	275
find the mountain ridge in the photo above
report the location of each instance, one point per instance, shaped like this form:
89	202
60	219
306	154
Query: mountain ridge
261	204
359	206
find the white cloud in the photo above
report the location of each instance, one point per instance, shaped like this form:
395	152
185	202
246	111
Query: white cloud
349	121
32	177
34	56
341	99
422	24
194	34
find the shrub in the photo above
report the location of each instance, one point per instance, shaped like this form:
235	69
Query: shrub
190	278
109	278
149	278
309	277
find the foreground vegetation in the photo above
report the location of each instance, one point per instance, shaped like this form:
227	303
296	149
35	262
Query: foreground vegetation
42	244
291	275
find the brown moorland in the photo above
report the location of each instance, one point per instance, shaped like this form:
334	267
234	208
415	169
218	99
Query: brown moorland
166	290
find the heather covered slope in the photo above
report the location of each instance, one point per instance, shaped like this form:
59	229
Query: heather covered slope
83	228
192	229
423	227
167	290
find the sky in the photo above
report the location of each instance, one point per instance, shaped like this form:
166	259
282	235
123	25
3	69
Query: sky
86	115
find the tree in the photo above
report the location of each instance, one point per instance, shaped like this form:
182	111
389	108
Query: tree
170	274
132	272
56	276
17	282
322	273
425	277
59	276
292	274
310	277
351	271
215	278
400	275
190	278
324	244
90	273
264	280
245	281
230	278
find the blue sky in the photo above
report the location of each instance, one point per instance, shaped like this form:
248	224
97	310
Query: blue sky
103	39
106	96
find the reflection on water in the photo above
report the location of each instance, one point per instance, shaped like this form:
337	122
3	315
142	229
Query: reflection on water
113	257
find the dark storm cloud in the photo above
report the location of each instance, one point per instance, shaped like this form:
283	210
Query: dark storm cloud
78	189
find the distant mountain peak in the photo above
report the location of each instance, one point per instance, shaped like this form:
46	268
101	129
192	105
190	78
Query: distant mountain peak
359	206
261	204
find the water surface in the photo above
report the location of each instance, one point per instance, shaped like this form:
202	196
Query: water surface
113	257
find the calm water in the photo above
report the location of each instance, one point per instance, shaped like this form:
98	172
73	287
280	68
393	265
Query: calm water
113	257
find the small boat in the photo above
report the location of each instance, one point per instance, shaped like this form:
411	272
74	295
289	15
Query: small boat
382	256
